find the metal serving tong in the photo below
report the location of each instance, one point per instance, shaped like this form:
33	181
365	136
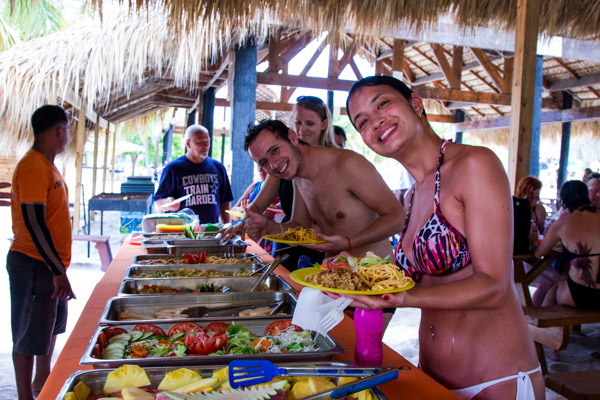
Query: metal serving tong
266	273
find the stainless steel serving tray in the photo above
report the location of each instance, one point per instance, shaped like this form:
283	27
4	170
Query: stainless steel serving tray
162	235
224	269
175	261
151	304
155	246
180	246
95	379
327	346
235	283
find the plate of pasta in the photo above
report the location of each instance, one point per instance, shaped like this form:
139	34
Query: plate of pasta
299	235
341	276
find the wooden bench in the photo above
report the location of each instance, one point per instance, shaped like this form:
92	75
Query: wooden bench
551	326
576	385
103	246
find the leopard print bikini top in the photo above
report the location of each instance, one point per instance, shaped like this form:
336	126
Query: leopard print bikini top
438	248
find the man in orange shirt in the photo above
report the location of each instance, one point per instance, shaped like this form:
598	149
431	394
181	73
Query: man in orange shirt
40	252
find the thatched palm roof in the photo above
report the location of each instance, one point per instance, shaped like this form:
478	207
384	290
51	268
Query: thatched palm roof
144	61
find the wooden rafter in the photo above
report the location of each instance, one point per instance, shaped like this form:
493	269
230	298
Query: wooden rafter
398	58
286	92
575	75
489	67
417	66
445	66
355	69
586	114
439	75
218	72
457	63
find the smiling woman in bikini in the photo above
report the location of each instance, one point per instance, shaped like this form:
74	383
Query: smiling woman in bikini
457	245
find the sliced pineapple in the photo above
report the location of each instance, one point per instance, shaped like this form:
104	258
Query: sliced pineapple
202	384
320	383
177	378
126	376
134	393
342	380
82	391
222	375
299	390
70	396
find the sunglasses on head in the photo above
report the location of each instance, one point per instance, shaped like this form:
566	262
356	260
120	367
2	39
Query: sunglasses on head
310	99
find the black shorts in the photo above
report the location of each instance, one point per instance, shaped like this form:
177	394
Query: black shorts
583	296
35	317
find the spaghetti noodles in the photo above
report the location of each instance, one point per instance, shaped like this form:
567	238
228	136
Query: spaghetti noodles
299	234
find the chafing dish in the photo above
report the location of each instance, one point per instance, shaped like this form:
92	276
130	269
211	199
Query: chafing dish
327	346
151	304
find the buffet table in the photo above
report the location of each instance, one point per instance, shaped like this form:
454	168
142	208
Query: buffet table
412	384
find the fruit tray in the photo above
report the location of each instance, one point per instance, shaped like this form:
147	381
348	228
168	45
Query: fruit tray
95	379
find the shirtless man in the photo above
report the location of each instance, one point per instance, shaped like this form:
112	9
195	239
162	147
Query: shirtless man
336	190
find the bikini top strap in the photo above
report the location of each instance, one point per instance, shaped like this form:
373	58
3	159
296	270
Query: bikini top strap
437	173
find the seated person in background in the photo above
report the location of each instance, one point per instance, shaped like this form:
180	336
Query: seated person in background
197	174
586	175
593	185
340	136
579	233
529	188
337	190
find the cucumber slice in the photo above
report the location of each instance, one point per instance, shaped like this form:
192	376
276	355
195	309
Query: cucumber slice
146	335
177	336
116	345
121	337
136	335
111	355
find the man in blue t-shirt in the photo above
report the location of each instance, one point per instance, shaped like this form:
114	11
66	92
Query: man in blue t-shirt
198	175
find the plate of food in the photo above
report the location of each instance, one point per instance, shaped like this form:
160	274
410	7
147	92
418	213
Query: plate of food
370	275
299	235
235	213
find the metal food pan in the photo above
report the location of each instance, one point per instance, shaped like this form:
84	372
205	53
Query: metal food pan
162	235
151	304
155	246
180	246
327	346
224	269
235	284
176	261
95	379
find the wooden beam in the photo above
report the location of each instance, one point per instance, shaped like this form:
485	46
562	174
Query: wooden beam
398	58
78	168
572	83
586	114
217	74
112	172
439	75
355	70
508	74
273	57
76	101
462	96
95	162
445	31
489	67
410	76
457	63
445	66
519	154
286	92
105	166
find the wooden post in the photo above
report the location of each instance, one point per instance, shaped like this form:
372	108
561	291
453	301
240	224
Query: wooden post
536	123
78	166
94	170
565	142
106	137
243	106
398	59
208	114
519	153
112	172
460	117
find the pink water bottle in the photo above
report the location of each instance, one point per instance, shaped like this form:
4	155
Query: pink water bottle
369	334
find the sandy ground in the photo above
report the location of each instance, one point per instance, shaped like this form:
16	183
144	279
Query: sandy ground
85	272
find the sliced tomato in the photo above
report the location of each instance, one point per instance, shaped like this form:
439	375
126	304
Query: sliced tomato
102	339
110	332
96	351
276	327
139	351
217	327
204	345
334	265
202	257
149	328
185	327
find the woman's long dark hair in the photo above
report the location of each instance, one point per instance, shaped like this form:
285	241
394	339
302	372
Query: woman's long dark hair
574	195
